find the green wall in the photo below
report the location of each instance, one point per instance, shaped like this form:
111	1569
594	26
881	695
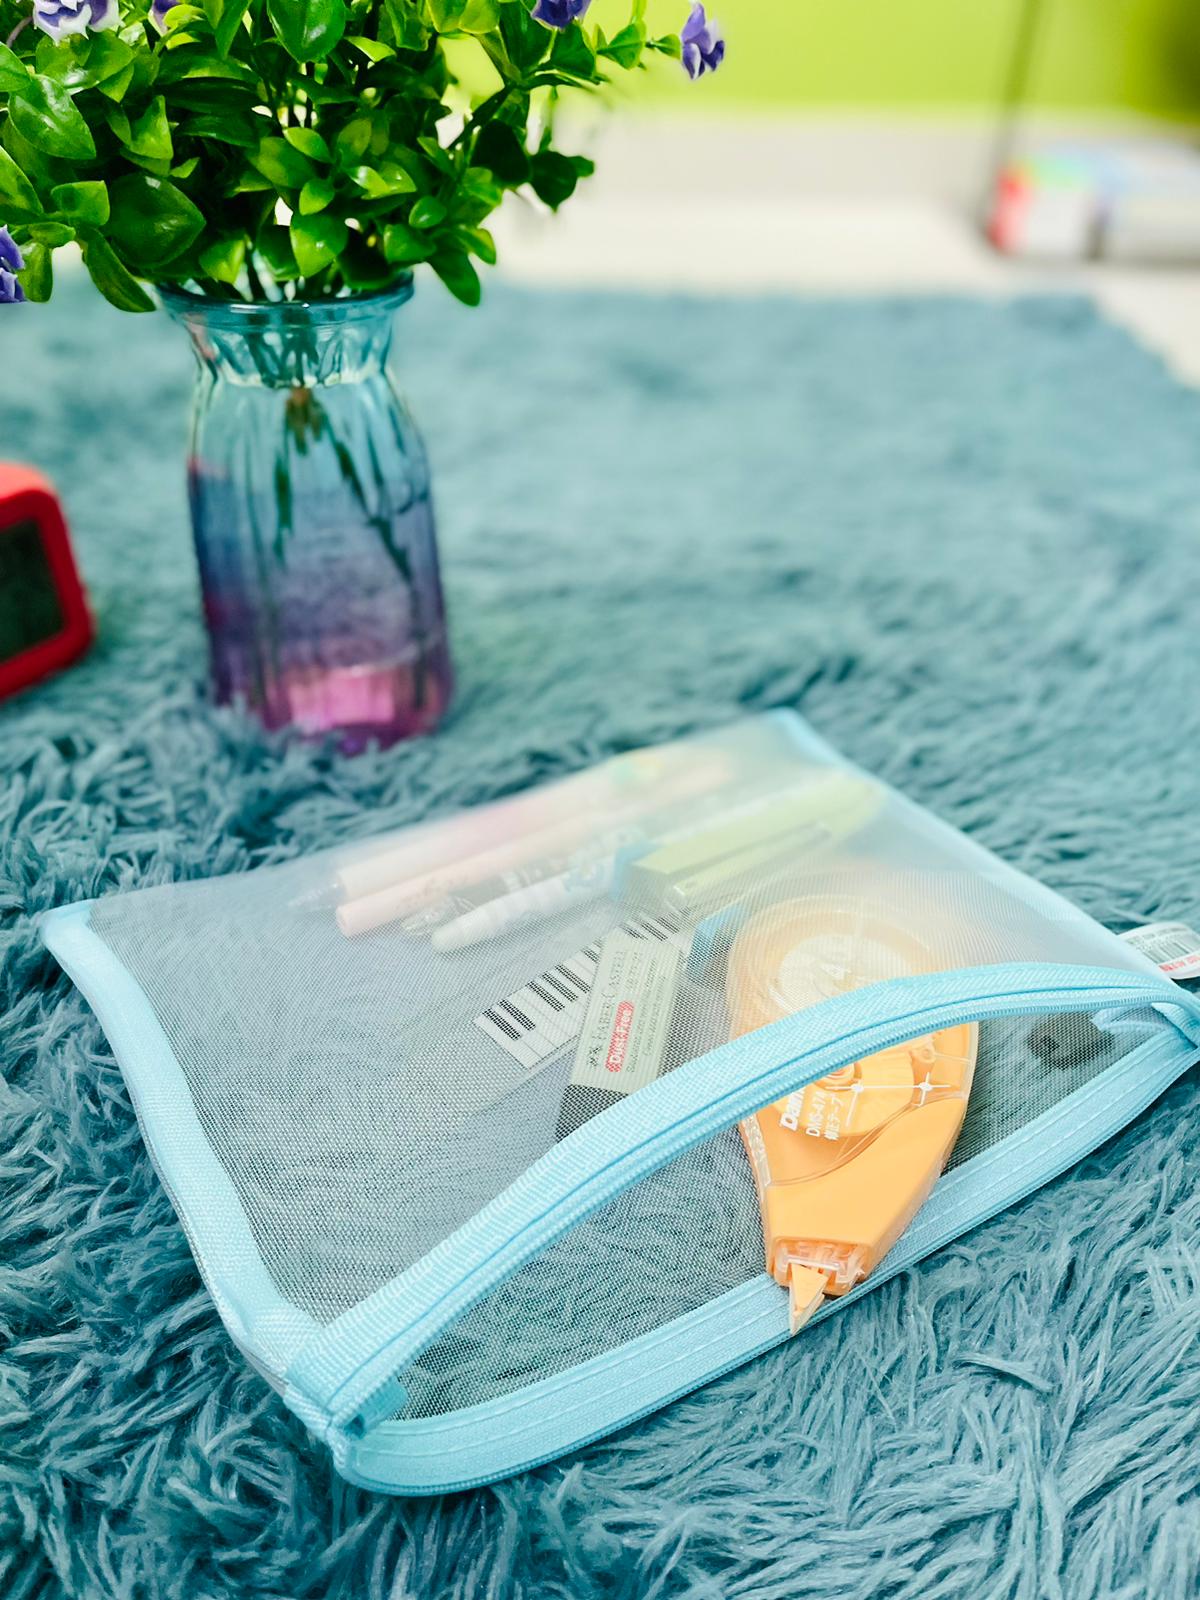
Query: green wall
1139	55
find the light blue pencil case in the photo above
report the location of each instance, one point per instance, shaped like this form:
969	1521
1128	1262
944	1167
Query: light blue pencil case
451	1119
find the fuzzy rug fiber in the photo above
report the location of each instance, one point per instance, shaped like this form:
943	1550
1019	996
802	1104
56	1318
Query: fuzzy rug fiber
964	539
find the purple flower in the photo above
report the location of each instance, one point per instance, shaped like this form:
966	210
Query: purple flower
59	18
10	252
559	13
158	13
11	262
703	43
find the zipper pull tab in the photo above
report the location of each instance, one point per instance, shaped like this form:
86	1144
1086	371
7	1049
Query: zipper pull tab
387	1401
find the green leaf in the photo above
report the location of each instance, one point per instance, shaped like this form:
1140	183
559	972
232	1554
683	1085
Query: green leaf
226	127
480	16
234	100
464	16
226	30
525	40
553	177
181	16
408	28
427	212
47	51
152	220
573	55
150	134
317	241
353	140
15	188
51	234
382	182
160	169
364	269
114	281
284	167
444	14
42	171
108	57
669	45
84	60
332	93
414	164
480	242
309	143
625	48
82	202
402	246
114	88
458	274
437	154
224	259
250	183
275	247
44	113
13	72
187	62
148	70
371	48
479	189
315	196
308	29
37	279
500	150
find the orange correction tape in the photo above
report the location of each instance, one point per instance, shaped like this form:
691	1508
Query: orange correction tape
843	1165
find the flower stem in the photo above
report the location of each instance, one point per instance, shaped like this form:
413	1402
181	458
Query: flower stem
256	283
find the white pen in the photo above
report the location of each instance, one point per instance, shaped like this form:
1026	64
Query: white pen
565	892
371	911
459	901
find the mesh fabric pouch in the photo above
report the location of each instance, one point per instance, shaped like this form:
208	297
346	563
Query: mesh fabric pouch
496	1133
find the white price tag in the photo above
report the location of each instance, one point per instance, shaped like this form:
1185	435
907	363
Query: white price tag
1172	946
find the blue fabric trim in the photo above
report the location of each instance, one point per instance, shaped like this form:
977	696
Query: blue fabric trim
361	1351
369	1342
268	1328
497	1438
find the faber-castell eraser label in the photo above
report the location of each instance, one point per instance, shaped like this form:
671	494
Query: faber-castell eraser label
628	1020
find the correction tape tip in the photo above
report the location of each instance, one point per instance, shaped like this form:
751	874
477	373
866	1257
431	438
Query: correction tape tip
806	1292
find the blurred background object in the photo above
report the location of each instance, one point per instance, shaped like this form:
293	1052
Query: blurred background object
1140	56
874	147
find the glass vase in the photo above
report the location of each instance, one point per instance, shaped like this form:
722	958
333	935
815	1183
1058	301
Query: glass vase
314	532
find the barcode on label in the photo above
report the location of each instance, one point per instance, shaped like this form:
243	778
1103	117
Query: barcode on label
539	1018
1173	946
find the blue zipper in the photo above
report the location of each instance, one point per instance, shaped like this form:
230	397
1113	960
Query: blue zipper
459	1450
344	1381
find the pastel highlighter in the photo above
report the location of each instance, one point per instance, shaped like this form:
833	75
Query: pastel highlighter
843	1165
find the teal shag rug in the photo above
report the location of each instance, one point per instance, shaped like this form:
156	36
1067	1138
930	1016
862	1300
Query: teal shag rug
964	540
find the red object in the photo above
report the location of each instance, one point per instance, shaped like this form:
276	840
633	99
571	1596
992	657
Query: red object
1010	205
44	619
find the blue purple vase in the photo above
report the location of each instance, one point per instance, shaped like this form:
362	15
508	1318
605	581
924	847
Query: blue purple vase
314	531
